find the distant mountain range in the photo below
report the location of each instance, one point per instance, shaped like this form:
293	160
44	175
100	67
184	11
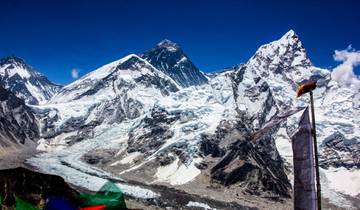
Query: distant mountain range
155	118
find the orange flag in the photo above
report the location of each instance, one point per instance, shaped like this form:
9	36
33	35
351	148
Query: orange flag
305	88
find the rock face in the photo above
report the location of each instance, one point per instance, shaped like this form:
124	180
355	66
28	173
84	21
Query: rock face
251	167
18	125
152	133
338	151
25	82
169	58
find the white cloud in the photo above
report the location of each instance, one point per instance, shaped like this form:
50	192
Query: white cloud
344	73
74	73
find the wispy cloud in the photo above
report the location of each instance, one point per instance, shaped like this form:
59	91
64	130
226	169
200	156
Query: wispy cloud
74	73
344	72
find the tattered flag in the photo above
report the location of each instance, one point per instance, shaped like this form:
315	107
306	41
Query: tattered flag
304	166
305	88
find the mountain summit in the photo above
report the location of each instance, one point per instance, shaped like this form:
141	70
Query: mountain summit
168	44
25	82
169	58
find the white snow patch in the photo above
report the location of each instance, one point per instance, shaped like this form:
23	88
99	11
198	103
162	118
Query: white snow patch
199	205
128	159
137	191
178	174
283	145
344	180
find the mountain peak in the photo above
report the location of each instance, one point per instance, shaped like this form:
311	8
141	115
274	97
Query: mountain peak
290	33
169	58
12	65
24	81
285	56
288	44
168	44
290	38
12	59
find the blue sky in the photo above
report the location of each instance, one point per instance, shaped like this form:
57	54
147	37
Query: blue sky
56	36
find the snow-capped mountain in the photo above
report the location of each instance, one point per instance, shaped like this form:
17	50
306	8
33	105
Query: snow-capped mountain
124	89
137	119
25	82
18	126
169	58
284	64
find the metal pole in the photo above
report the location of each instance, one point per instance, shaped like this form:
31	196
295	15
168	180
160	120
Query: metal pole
315	151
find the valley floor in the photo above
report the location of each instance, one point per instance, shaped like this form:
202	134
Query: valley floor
139	189
15	158
145	196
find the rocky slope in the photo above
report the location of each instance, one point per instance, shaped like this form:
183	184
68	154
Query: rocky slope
135	119
25	82
18	125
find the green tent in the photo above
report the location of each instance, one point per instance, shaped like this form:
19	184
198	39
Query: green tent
109	195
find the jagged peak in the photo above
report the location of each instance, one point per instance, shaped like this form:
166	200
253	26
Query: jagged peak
23	69
290	38
169	45
12	59
167	42
290	33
